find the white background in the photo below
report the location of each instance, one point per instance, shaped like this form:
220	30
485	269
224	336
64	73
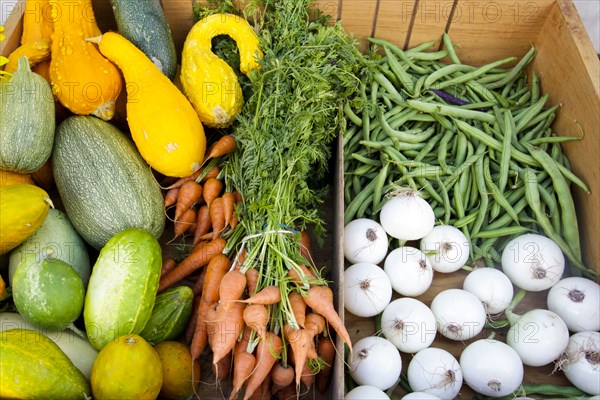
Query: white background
589	10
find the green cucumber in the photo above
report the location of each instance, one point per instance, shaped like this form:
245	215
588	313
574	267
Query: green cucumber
143	23
34	367
47	292
104	183
56	238
170	315
122	289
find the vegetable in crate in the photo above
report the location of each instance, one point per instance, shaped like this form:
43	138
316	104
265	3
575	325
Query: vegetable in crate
27	114
208	81
56	238
23	208
47	292
34	367
122	289
82	79
103	182
181	375
145	25
170	314
163	124
126	368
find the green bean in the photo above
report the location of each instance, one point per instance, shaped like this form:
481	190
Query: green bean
483	194
548	199
535	87
352	208
356	120
533	199
443	148
404	77
479	105
426	186
362	170
443	121
401	118
387	73
462	168
515	71
509	132
429	146
450	47
387	101
547	116
395	155
506	231
385	143
523	99
421	47
366	160
501	100
551	390
497	195
429	56
379	183
465	221
462	187
399	52
492	77
484	93
473	74
531	134
446	71
366	125
451	111
446	200
404	136
565	200
524	118
419	86
553	139
385	83
395	111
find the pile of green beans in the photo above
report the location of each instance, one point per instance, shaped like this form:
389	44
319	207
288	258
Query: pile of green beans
476	142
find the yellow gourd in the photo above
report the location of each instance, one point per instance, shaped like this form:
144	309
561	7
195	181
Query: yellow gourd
37	35
8	178
82	79
23	209
163	123
208	81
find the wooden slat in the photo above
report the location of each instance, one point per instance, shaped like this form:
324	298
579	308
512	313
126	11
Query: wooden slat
393	20
181	19
431	18
569	71
488	31
13	29
357	18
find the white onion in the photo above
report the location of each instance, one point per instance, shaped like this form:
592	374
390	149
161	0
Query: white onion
491	287
491	368
375	361
446	247
459	314
539	337
577	301
409	270
582	362
420	396
406	216
408	324
365	241
435	371
367	289
365	392
533	262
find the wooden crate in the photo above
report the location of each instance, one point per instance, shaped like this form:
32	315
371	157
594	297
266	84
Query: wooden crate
483	31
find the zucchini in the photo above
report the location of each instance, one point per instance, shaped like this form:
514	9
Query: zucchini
143	23
170	315
122	289
104	183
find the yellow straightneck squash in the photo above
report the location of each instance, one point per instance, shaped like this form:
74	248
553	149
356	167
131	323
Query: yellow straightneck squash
208	81
163	123
82	79
23	209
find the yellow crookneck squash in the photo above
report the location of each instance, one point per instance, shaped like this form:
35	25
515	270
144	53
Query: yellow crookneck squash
208	81
36	39
82	79
163	123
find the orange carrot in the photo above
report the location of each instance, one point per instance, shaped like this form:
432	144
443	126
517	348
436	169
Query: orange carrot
305	246
298	307
167	265
188	194
212	190
320	299
234	221
305	276
326	350
267	353
263	392
212	173
228	206
256	316
243	365
203	223
232	286
199	283
217	216
216	268
237	196
221	147
211	318
179	182
171	197
281	376
252	276
300	341
228	325
191	325
315	323
199	257
223	368
185	220
267	295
